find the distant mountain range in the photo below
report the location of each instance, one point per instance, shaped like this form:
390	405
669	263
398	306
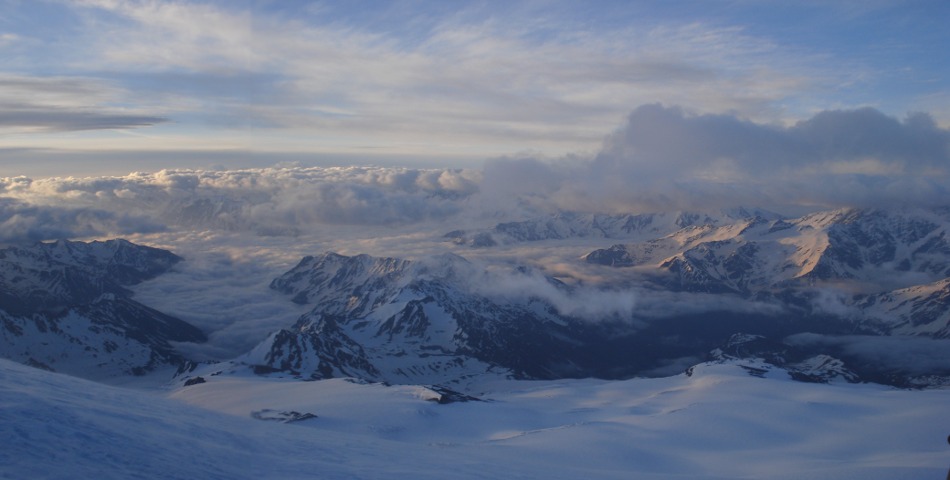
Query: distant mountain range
894	267
891	266
571	225
796	293
399	321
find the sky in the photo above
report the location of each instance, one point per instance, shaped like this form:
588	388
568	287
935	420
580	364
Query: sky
245	134
107	87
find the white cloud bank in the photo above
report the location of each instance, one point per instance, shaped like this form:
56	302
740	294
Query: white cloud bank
238	229
267	201
661	159
664	158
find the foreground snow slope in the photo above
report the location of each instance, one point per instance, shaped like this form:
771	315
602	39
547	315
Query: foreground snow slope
718	423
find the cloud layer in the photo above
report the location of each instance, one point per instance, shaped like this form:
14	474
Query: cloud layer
238	229
277	201
661	159
664	158
462	80
24	223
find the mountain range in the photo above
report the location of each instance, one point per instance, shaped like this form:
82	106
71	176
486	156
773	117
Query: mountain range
889	269
808	294
838	274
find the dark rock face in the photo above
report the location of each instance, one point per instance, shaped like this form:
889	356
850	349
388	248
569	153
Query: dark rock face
615	256
317	348
447	396
291	416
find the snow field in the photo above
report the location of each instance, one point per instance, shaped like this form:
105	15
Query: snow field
718	423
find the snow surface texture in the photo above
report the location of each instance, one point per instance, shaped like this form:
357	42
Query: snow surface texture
719	422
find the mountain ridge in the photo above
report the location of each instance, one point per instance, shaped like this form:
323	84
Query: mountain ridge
66	306
401	313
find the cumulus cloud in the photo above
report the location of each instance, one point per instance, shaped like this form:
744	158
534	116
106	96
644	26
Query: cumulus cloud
655	135
661	159
664	158
21	223
272	201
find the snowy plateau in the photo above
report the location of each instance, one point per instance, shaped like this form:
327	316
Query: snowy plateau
740	344
719	422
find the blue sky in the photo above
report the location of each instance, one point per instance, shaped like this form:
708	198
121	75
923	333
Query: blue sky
109	86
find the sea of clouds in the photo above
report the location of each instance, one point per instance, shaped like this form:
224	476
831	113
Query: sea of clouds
238	229
660	159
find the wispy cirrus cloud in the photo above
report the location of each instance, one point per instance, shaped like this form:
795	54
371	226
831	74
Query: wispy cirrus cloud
62	104
465	79
448	81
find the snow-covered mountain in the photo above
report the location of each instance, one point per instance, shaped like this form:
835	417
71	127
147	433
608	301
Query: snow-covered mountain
436	321
801	364
426	321
571	225
917	310
861	251
433	321
65	306
806	289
